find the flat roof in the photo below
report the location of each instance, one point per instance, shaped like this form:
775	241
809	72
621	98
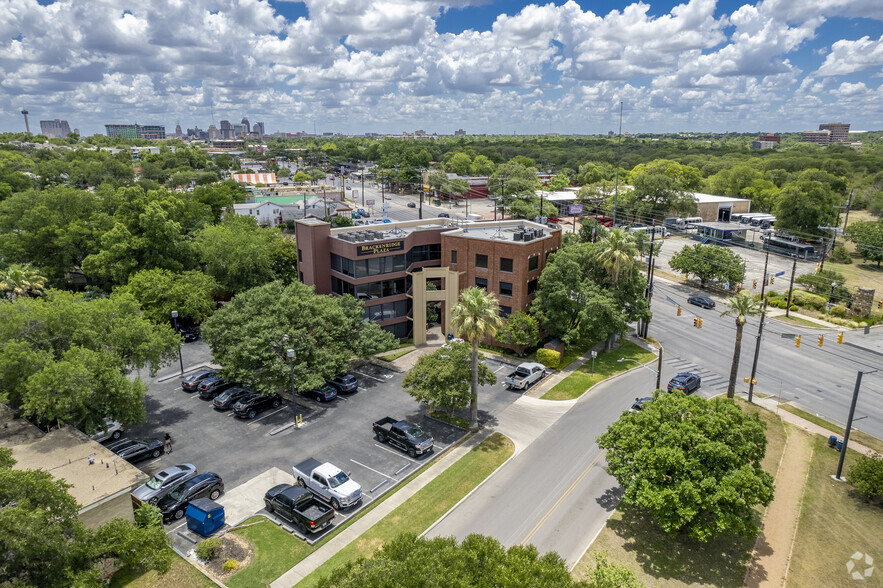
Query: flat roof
727	227
502	230
707	198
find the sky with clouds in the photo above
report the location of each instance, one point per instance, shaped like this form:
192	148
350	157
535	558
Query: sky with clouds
487	66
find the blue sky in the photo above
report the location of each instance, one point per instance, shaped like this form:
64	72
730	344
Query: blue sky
356	66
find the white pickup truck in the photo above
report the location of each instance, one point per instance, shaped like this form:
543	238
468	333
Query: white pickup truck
526	375
327	482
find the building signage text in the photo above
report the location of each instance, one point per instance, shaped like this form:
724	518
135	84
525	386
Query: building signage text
375	248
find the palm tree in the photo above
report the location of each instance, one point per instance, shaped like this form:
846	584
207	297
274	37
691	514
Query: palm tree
474	318
742	305
21	280
616	252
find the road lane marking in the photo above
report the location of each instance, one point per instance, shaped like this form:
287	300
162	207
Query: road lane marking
368	376
283	407
555	506
373	470
499	368
396	453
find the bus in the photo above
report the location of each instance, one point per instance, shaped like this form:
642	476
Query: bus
803	251
657	232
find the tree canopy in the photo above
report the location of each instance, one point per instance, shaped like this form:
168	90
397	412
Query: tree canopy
709	263
868	239
160	292
693	464
443	378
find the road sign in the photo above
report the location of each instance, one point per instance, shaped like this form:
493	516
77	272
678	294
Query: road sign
782	273
594	354
369	202
575	209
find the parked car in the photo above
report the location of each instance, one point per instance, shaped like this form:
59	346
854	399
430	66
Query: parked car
249	406
299	507
135	450
163	481
702	301
444	215
686	382
191	382
639	404
327	482
412	205
190	333
211	387
113	430
526	375
324	393
344	383
174	504
226	399
408	437
363	212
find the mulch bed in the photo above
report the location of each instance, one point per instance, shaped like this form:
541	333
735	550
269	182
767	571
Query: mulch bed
232	547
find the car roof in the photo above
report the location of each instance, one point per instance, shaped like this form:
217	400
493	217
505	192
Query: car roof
684	375
294	492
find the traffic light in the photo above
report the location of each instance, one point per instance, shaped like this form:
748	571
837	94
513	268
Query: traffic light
880	304
750	380
772	278
821	340
797	341
754	285
696	321
739	287
840	337
679	310
699	325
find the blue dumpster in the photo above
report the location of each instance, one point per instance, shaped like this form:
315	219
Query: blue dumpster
840	446
832	440
204	516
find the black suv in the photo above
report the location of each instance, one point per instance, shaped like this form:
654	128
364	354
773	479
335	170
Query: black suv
324	393
686	382
249	406
639	404
174	504
190	333
701	301
211	387
225	400
191	382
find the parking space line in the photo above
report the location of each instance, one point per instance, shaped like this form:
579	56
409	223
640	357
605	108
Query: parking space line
373	470
369	376
172	530
283	407
395	453
499	368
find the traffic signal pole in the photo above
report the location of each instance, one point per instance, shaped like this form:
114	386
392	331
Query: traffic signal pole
791	287
858	384
759	328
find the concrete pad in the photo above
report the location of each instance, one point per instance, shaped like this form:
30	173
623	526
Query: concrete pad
527	418
246	499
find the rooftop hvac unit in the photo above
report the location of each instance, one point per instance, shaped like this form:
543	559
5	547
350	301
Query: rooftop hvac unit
528	236
360	237
539	232
345	236
519	236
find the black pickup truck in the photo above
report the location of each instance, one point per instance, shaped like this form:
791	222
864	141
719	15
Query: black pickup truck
299	507
405	436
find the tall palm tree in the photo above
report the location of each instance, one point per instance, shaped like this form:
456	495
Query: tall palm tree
474	318
741	306
21	280
616	251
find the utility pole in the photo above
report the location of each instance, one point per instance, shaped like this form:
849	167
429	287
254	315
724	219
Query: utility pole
618	161
363	186
858	384
422	187
791	286
649	293
756	354
848	203
659	368
324	203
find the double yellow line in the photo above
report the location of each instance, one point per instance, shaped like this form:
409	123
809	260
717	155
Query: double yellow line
561	499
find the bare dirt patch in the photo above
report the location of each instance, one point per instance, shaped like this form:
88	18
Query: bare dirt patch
232	547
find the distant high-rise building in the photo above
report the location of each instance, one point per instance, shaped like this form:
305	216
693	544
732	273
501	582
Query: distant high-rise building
226	129
54	128
136	131
238	130
246	125
27	126
459	133
77	132
154	132
259	129
178	132
772	137
821	137
839	131
213	132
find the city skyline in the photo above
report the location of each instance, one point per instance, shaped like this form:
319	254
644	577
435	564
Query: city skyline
489	67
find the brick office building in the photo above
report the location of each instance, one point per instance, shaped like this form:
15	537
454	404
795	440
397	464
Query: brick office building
388	266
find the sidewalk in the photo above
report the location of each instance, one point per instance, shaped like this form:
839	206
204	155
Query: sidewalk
777	312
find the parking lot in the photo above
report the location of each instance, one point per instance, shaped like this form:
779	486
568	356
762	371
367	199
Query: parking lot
338	432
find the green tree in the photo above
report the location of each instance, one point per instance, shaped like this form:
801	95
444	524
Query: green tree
241	255
693	464
868	239
460	164
513	179
709	262
477	561
607	574
740	306
616	252
806	205
443	378
45	544
21	280
251	335
482	166
474	318
521	330
301	176
866	475
161	291
559	182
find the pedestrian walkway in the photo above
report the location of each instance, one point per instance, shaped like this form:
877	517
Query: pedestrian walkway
780	312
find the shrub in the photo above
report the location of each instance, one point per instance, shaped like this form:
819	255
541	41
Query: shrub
841	255
230	565
802	298
794	308
208	549
838	311
549	357
867	476
148	515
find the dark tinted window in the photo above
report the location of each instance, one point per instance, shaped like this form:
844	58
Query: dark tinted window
532	286
454	256
481	283
505	311
481	261
505	289
533	263
506	264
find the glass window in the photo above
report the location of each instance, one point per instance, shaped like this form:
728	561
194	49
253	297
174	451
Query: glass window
506	264
300	254
505	311
481	261
533	264
532	287
454	257
505	289
481	283
374	266
361	268
398	263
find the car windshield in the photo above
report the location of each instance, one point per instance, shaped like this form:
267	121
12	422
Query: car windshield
414	432
155	483
338	479
177	493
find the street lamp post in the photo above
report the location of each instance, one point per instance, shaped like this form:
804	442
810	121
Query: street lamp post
831	297
657	372
180	357
290	354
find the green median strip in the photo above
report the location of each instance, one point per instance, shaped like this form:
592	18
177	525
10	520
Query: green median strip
395	355
426	506
606	365
857	436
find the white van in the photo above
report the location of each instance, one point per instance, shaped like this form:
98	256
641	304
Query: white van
472	218
683	223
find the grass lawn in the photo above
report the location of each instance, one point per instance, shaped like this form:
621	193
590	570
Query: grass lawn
427	505
181	575
857	436
796	320
631	538
606	365
834	524
275	550
395	355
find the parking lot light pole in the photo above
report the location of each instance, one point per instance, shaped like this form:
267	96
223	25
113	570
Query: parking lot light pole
290	354
180	357
657	372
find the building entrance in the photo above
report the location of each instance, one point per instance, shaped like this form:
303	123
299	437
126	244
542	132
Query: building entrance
448	290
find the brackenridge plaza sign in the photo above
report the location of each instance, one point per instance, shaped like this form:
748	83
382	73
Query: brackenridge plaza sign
375	248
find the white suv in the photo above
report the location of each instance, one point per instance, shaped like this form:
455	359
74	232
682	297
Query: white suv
114	431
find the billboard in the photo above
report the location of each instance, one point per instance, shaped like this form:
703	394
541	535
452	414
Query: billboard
575	209
369	202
